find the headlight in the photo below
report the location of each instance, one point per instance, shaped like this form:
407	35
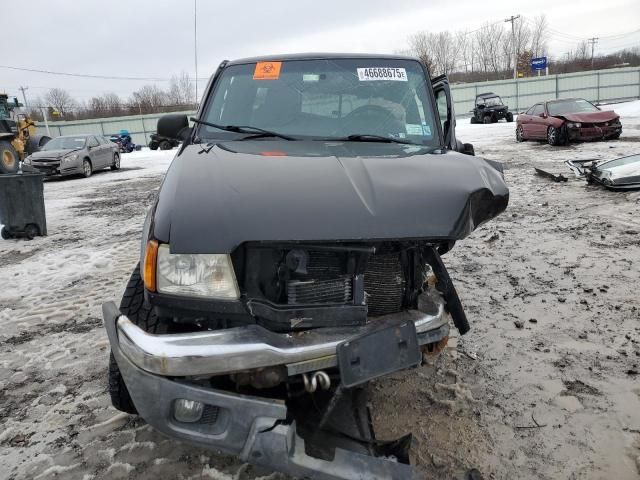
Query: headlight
574	125
71	157
202	275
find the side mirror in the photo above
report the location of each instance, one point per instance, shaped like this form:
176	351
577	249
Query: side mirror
543	115
173	126
465	148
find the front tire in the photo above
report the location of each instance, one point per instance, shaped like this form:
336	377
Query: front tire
509	117
486	119
141	313
9	158
116	162
87	168
473	120
553	136
165	145
519	134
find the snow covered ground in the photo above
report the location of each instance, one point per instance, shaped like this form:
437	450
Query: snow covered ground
542	387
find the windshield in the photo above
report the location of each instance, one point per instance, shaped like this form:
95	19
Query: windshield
324	99
65	143
4	112
570	106
492	101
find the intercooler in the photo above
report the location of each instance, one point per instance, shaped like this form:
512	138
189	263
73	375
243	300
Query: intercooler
326	281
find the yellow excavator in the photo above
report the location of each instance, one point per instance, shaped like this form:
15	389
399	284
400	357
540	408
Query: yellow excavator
18	136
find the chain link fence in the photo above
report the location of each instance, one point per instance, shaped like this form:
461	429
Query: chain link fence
140	127
598	86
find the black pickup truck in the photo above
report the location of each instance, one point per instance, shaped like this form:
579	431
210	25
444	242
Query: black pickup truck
293	254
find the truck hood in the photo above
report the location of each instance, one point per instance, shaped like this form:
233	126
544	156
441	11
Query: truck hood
591	117
218	196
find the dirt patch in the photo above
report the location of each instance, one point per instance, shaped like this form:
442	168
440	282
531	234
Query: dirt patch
38	330
124	199
16	256
577	387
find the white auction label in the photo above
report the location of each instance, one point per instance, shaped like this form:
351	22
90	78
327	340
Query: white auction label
382	73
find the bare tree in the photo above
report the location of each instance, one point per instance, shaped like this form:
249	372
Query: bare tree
60	100
113	104
489	42
445	52
538	36
581	52
149	98
438	51
420	46
465	50
181	90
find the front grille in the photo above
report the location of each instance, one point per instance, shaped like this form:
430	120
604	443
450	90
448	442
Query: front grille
384	284
47	161
336	290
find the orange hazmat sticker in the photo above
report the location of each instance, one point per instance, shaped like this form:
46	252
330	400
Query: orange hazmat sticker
267	71
274	153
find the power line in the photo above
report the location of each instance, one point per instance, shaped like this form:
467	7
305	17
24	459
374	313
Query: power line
85	75
620	35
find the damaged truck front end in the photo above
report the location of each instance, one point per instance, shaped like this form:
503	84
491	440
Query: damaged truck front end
278	277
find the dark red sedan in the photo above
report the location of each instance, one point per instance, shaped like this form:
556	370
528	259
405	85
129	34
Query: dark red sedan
571	119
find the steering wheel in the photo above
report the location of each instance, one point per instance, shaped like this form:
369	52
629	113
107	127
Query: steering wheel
372	119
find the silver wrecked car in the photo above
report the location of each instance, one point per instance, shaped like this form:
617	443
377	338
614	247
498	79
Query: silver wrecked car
75	154
621	173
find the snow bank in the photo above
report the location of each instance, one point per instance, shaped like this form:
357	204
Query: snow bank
626	109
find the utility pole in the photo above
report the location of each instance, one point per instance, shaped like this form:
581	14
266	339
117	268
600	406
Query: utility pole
24	96
195	42
512	19
593	42
46	121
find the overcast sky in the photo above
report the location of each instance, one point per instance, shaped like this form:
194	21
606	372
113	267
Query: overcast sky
154	38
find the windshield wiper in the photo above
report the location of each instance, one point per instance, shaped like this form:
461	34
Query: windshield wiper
257	132
367	137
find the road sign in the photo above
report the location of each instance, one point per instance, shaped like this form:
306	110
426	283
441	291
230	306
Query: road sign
539	63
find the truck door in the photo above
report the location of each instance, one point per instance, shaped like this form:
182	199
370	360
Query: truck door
447	116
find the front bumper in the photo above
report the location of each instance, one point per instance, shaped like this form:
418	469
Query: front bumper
257	430
594	132
48	168
57	169
252	346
